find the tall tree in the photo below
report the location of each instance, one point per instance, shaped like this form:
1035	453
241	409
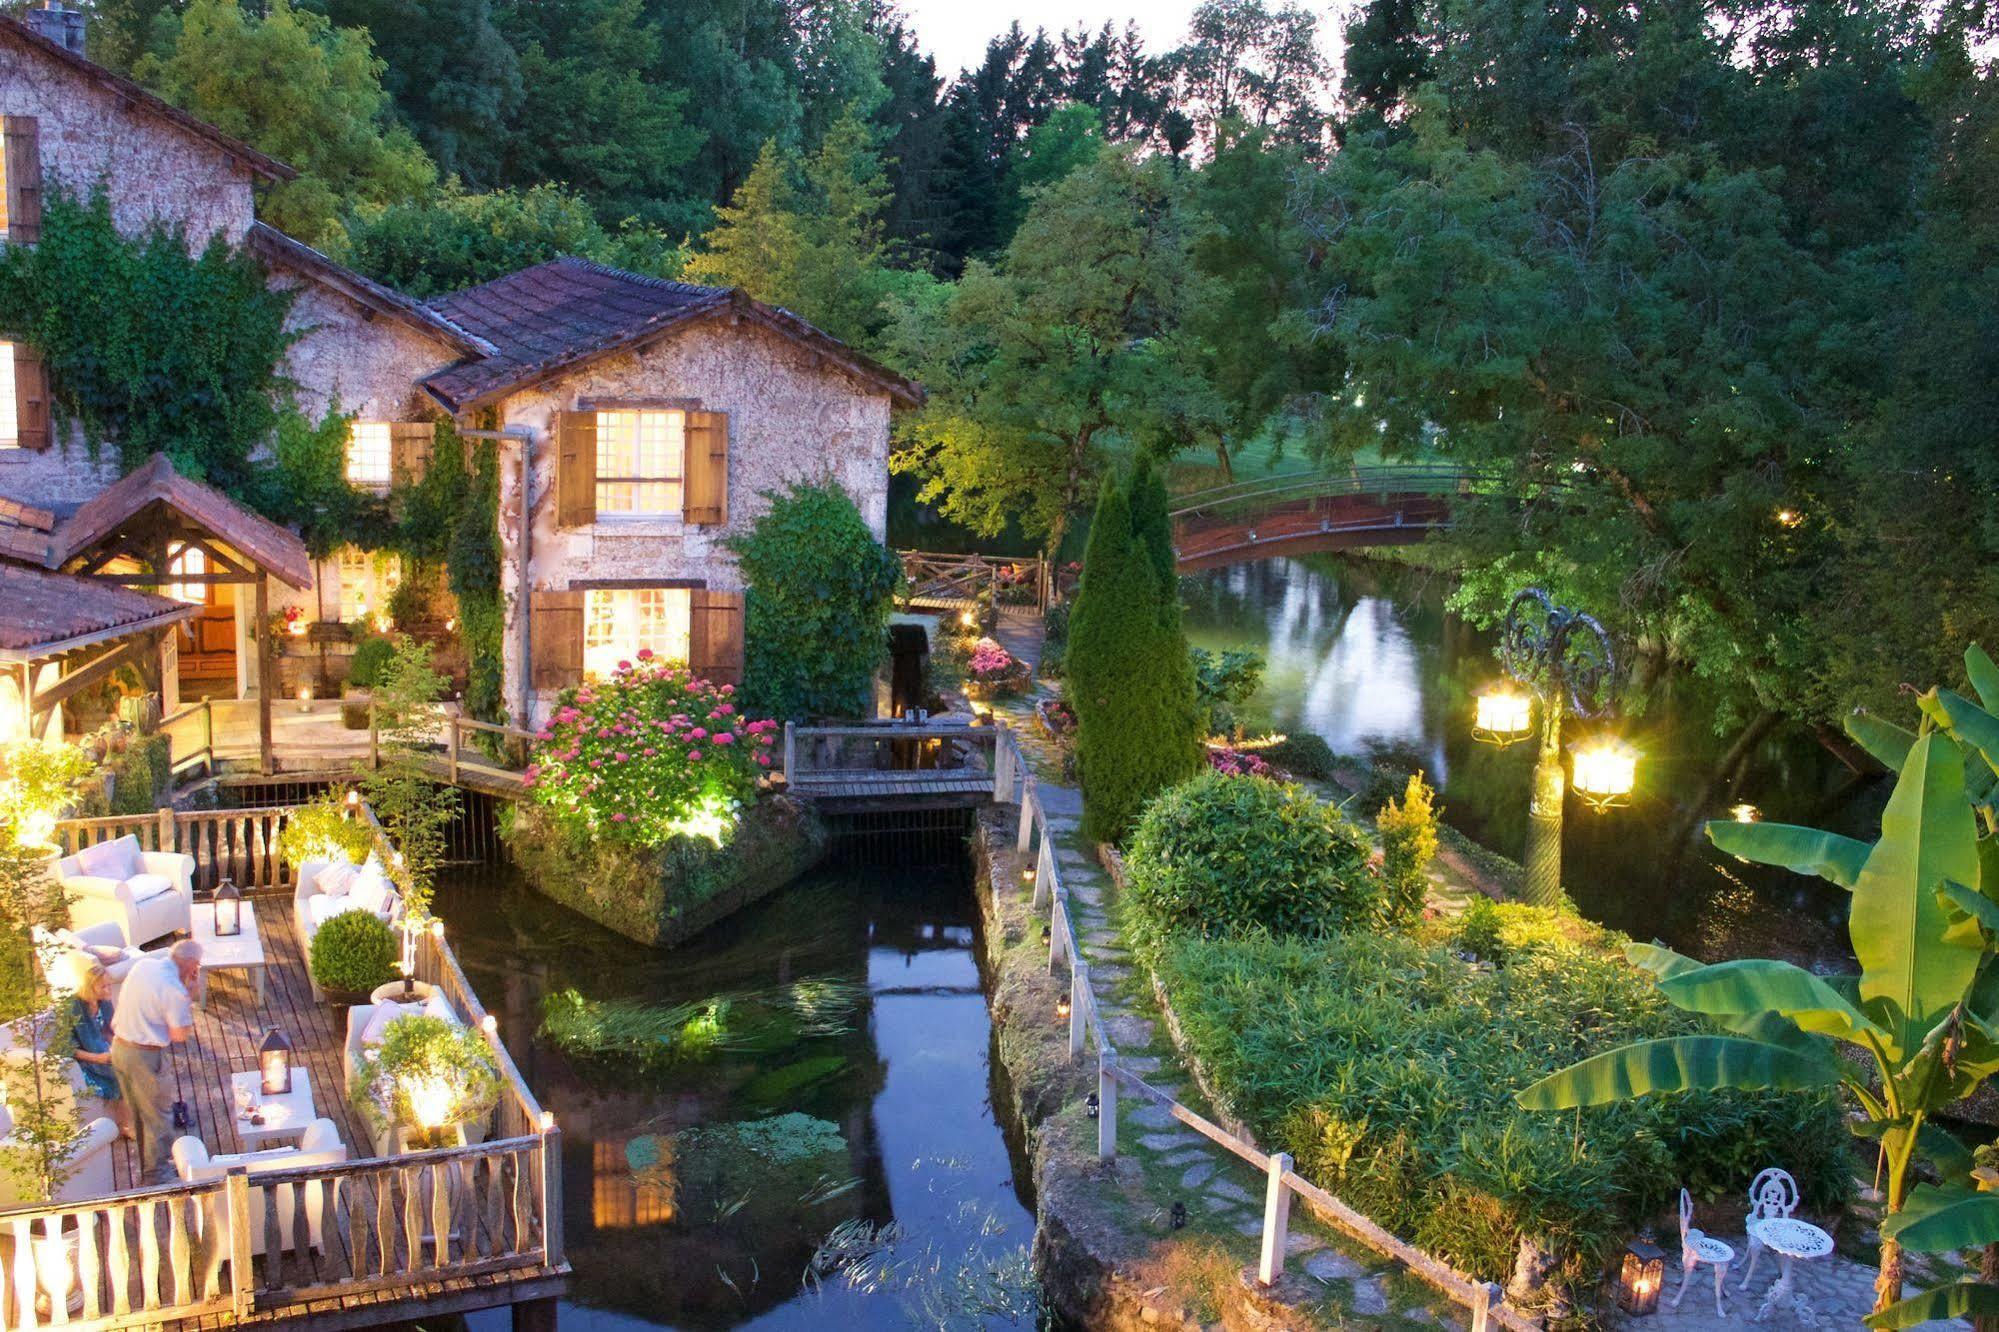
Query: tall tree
1244	60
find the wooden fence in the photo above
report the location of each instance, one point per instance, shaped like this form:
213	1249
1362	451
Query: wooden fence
896	760
241	845
1036	847
203	735
956	582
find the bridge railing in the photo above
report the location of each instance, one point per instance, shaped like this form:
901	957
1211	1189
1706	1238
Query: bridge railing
897	758
1256	492
956	581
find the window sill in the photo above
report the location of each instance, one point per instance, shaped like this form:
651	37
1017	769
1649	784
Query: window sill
639	524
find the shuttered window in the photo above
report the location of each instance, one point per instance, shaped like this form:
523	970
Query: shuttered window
368	454
618	622
10	419
639	460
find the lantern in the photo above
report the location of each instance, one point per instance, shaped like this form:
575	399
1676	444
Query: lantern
274	1060
1504	715
1605	771
305	698
1644	1271
228	910
1062	1009
353	800
1745	813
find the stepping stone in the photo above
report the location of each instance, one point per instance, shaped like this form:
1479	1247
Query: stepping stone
1228	1188
1214	1204
1188	1157
1369	1298
1142	1065
1251	1226
1162	1142
1301	1241
1153	1117
1332	1265
1196	1175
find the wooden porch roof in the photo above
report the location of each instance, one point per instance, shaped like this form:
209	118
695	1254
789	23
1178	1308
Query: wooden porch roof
256	538
51	613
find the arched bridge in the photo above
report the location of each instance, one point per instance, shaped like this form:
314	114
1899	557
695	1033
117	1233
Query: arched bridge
1295	515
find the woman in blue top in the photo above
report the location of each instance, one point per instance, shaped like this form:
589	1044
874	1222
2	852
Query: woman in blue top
93	1043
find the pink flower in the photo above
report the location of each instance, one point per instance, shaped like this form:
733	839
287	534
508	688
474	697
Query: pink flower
726	709
694	755
728	689
618	818
724	738
596	763
699	733
766	740
624	665
645	654
620	756
763	760
649	752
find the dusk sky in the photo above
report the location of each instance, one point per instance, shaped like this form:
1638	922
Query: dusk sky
956	32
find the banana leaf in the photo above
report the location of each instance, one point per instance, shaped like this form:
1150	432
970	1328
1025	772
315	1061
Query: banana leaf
1658	959
1805	850
1758	985
1960	902
1964	1299
1773	1027
1681	1063
1984	677
1967	722
1938	1220
1884	740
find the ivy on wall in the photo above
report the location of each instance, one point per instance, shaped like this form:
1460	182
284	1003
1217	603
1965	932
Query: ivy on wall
450	516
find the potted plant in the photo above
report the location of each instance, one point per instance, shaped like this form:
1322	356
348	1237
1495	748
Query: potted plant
427	1080
352	954
993	672
324	830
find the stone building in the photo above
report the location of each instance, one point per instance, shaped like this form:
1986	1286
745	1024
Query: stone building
640	422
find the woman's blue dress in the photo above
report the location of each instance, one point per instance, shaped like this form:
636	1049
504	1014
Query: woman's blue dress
93	1033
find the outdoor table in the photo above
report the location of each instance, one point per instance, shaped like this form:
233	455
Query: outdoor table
285	1115
243	951
1790	1239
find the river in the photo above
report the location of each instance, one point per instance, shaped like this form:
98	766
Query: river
1365	654
848	1090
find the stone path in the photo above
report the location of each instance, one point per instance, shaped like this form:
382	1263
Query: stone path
1828	1293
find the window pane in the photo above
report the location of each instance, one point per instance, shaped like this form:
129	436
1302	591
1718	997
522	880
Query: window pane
185	561
639	457
354	582
619	622
10	429
368	453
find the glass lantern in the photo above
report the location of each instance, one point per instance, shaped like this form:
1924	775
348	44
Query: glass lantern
1605	772
1639	1279
274	1061
228	910
1505	714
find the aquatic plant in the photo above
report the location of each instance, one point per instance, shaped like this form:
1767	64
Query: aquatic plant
939	1286
634	1032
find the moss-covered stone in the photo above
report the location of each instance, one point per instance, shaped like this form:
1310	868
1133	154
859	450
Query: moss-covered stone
663	895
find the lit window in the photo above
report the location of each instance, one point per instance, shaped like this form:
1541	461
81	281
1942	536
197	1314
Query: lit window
638	461
368	453
188	562
10	428
366	583
618	623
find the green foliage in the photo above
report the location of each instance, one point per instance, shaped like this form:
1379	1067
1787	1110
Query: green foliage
414	810
632	1034
150	350
427	1073
1408	830
39	1154
1054	642
353	952
288	82
1303	754
1224	856
323	830
370	660
819	590
1384	1064
1223	682
307	485
1138	727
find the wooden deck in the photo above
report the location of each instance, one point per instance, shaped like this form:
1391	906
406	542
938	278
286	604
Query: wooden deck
893	765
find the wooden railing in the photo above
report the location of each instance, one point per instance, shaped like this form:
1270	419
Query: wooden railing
241	845
894	757
957	581
202	735
1035	847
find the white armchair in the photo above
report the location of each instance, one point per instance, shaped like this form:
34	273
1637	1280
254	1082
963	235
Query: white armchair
147	894
60	951
90	1160
319	1145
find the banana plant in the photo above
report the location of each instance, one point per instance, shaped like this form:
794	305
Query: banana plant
1923	1013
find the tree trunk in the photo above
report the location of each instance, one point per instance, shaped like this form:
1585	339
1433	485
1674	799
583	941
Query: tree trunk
1988	1272
1222	457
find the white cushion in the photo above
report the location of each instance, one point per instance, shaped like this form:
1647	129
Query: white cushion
146	886
115	859
336	879
320	908
377	1029
438	1006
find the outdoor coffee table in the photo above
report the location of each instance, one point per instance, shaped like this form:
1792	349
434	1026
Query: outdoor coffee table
243	951
284	1116
1790	1239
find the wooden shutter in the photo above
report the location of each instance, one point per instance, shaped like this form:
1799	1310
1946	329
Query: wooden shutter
410	445
31	399
706	469
24	179
556	634
715	635
575	468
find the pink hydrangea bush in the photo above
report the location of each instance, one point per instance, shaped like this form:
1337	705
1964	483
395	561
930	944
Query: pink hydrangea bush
990	661
1238	763
653	753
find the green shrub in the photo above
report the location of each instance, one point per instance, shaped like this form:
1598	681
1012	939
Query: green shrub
1408	831
1223	682
1303	754
354	951
371	657
1054	642
322	831
428	1073
1225	855
1386	1065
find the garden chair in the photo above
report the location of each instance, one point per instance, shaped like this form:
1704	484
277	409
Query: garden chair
1697	1248
1773	1193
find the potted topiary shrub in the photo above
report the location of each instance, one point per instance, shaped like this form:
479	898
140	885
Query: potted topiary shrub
425	1082
352	953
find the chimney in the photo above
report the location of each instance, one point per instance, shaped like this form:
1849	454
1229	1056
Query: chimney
62	26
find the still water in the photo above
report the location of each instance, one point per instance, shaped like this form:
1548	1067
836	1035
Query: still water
1366	655
698	1189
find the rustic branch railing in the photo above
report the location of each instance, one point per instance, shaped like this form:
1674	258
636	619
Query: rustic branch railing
1034	844
203	734
958	580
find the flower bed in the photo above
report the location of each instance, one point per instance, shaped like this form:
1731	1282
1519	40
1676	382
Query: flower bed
993	672
1056	718
1238	762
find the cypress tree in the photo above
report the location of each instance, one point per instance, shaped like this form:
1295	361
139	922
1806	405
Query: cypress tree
1130	681
1152	526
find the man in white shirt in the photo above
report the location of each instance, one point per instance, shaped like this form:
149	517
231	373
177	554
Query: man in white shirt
154	1011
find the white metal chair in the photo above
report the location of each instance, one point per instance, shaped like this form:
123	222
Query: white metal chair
1697	1248
1772	1194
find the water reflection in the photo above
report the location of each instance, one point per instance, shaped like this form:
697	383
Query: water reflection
696	1194
1365	655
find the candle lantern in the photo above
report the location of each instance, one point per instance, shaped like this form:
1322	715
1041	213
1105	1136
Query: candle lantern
1605	772
274	1060
1504	715
353	800
228	909
1643	1272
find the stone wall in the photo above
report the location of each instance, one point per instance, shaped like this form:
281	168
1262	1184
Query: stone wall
364	363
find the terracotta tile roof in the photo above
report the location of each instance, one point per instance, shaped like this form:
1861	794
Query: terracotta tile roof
289	252
256	538
270	168
24	531
567	312
50	612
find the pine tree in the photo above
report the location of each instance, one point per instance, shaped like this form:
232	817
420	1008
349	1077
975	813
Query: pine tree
1152	526
755	243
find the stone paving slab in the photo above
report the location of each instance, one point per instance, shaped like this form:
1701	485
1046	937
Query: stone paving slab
1832	1292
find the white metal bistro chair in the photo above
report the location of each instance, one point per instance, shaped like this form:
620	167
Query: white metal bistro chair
1772	1194
1697	1248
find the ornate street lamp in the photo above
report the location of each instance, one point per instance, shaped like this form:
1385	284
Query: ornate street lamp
1563	657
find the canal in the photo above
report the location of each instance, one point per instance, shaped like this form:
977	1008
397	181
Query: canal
1366	655
787	1124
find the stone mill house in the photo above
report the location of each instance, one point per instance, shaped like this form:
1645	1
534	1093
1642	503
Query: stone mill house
639	422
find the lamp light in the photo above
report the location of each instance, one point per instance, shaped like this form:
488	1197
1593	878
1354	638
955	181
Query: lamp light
1642	1273
228	909
1744	813
1789	518
1062	1009
274	1060
305	698
1605	771
353	800
1504	714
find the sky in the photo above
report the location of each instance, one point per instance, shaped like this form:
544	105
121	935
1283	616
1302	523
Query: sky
956	31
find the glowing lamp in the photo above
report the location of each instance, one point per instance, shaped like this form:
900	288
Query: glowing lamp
274	1061
966	618
1027	875
296	628
437	929
1744	813
353	801
1639	1279
228	909
548	1121
1789	518
1504	715
489	1024
1062	1009
305	698
1605	771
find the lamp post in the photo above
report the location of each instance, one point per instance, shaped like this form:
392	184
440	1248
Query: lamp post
1563	658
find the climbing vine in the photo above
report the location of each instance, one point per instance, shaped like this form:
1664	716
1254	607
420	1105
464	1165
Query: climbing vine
450	517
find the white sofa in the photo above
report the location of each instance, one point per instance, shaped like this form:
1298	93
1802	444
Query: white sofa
57	951
150	896
319	1145
90	1161
311	908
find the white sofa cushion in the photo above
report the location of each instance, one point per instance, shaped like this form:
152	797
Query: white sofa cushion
337	879
320	908
377	1029
145	886
115	859
372	891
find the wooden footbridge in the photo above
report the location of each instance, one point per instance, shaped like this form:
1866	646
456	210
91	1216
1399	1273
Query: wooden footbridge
891	765
1300	514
